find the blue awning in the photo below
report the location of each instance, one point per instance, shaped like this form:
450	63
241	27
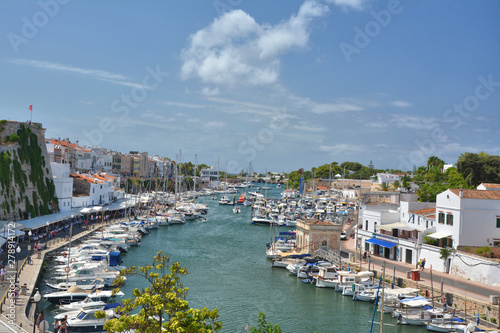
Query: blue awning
381	242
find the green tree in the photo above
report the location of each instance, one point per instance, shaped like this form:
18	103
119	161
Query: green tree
479	168
162	303
264	326
434	161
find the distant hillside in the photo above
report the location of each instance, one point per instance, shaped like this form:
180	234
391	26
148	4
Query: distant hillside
26	185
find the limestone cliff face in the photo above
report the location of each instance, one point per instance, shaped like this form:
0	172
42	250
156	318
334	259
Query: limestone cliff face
26	185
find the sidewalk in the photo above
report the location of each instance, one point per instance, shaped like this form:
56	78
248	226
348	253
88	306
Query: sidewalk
451	283
22	313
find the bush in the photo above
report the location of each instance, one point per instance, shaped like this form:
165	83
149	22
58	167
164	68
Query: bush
14	138
485	250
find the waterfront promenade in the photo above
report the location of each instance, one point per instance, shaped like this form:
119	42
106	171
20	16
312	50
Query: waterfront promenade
19	317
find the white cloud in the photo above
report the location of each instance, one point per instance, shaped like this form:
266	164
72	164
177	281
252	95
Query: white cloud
92	73
213	125
352	4
303	126
414	122
340	148
185	105
235	49
400	104
334	107
210	92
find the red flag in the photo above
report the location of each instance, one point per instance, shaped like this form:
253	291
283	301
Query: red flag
31	107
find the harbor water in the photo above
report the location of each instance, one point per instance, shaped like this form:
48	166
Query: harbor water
228	270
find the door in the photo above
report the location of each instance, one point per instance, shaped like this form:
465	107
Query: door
408	256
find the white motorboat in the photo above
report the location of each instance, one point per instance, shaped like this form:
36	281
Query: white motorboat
85	321
76	294
82	284
236	210
92	300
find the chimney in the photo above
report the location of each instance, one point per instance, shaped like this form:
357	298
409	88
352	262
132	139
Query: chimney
461	193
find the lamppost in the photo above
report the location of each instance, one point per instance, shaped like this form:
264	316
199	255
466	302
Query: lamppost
18	250
47	224
36	299
30	234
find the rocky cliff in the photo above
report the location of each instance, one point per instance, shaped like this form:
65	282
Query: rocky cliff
26	185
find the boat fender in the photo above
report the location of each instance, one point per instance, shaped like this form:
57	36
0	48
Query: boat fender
426	293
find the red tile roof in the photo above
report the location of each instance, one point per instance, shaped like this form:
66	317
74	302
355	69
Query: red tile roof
491	185
424	211
477	194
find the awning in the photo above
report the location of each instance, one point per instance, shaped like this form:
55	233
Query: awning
439	235
381	242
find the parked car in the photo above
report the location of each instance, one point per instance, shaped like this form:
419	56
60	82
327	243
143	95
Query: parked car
343	235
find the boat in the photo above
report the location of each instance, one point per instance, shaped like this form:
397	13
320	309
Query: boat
422	317
262	221
85	321
77	294
92	300
236	210
82	284
241	199
224	200
446	325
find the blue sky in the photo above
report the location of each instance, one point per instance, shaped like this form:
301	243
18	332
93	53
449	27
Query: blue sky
282	84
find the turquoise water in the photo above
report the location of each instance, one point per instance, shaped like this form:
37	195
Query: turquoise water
228	270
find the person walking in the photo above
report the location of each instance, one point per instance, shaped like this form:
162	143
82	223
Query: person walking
2	274
422	265
419	263
41	317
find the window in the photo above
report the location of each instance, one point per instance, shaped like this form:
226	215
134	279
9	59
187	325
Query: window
449	219
498	221
441	218
366	225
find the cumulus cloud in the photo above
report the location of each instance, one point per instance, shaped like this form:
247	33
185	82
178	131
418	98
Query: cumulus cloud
235	49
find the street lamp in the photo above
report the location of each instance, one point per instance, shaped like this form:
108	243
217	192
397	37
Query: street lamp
18	250
30	234
47	224
36	299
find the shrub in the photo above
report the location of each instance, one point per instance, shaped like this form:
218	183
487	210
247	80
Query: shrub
485	250
14	138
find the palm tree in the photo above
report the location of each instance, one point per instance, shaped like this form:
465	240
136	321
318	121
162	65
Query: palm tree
384	187
434	161
396	184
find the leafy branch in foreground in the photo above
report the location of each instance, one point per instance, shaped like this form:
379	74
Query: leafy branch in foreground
162	303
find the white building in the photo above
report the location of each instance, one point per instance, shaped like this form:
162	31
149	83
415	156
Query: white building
64	185
210	177
371	217
468	218
387	178
102	160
